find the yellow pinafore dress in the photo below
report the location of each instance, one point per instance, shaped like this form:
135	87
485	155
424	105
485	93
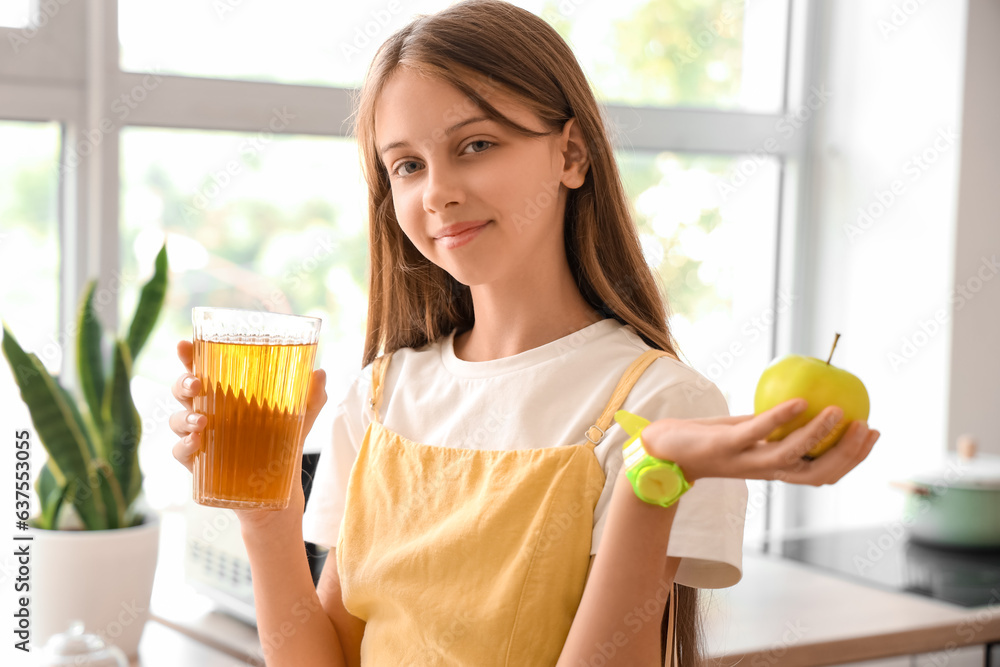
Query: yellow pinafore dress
469	557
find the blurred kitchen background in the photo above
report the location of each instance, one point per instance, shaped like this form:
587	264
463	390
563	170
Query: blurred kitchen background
797	168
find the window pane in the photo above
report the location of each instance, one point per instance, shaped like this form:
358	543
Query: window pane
29	261
15	13
277	226
712	53
708	226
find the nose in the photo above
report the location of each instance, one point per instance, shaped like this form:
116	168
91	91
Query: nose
443	187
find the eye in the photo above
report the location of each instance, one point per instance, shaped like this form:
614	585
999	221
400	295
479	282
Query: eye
401	165
480	141
396	171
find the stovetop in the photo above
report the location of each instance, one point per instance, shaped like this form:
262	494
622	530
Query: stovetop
885	557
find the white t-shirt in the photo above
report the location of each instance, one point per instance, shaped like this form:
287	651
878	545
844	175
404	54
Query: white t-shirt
547	396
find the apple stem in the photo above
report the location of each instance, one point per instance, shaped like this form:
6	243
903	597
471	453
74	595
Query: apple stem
836	338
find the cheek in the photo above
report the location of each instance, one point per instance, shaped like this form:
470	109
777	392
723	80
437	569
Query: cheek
407	219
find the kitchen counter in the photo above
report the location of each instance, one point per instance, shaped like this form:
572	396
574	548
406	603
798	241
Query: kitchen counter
781	613
787	613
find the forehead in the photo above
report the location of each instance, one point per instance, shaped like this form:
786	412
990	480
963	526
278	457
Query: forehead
415	107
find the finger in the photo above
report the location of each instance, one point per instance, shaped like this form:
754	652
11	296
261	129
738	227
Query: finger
185	388
804	439
762	425
785	456
731	419
186	450
852	448
316	399
839	459
185	352
185	422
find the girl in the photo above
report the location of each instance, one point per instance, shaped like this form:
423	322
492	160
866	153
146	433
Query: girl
473	495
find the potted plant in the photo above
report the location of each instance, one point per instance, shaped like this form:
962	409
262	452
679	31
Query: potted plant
93	547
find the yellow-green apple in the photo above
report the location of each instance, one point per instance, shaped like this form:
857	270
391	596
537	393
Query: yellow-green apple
821	384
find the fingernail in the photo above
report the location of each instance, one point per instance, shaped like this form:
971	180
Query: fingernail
834	418
799	406
188	383
193	419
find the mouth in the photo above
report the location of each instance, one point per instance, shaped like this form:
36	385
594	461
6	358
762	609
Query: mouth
460	228
454	240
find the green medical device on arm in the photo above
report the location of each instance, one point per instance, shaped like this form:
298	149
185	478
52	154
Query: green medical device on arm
655	481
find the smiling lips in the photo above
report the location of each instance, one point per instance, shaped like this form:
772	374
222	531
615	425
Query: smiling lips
459	234
459	227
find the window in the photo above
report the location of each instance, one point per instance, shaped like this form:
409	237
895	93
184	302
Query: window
713	250
717	53
29	252
15	13
249	225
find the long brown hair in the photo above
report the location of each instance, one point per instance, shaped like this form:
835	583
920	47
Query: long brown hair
412	301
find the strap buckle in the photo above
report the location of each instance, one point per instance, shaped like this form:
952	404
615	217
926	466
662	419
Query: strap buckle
587	434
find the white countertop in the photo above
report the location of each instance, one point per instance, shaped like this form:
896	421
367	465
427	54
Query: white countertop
789	613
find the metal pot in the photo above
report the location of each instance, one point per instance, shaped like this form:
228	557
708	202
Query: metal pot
957	505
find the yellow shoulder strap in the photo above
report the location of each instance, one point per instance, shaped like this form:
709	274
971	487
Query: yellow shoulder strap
635	370
379	368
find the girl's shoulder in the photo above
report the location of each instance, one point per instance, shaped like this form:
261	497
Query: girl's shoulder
669	380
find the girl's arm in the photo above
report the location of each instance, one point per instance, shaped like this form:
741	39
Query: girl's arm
293	626
612	619
350	629
622	605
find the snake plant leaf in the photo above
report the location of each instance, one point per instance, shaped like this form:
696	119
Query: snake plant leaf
111	493
150	302
58	423
123	430
88	355
51	493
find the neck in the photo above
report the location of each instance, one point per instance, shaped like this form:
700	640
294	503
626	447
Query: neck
522	313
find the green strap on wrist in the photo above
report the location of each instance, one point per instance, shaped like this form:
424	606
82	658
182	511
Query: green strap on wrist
654	481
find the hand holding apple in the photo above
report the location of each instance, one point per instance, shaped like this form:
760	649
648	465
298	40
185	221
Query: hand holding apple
822	385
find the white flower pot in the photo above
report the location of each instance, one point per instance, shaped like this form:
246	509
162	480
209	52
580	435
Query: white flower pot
101	577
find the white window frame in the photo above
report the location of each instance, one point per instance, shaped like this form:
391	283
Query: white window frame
67	70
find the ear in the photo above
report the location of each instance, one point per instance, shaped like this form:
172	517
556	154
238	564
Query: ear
576	160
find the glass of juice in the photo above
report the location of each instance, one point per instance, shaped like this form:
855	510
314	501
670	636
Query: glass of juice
255	369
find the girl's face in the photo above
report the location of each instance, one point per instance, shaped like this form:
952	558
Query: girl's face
448	164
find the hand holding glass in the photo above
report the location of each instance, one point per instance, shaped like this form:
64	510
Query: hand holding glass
255	369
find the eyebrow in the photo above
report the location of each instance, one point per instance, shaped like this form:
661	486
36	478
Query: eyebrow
449	131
